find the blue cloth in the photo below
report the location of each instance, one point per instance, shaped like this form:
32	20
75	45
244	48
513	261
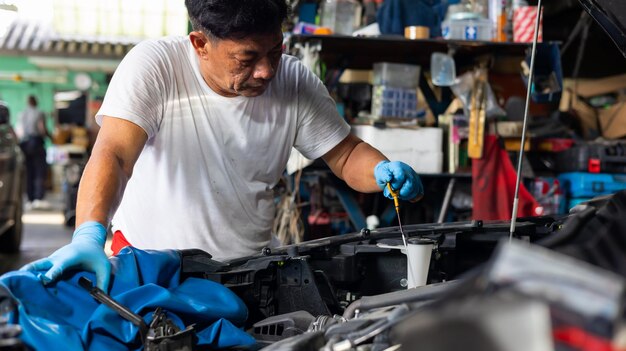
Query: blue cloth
394	15
63	313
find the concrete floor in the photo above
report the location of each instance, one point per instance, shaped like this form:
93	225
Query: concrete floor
44	232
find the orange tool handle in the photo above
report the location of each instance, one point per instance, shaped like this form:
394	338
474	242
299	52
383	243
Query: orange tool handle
395	196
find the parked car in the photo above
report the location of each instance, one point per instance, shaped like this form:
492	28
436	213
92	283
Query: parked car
11	185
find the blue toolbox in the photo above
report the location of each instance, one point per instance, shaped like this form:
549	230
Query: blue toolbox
582	186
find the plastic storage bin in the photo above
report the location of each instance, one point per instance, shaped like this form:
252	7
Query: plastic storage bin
467	29
396	75
341	16
394	102
394	93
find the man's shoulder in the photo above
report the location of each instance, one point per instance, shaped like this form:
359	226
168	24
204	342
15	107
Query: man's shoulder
292	70
163	46
161	57
164	43
291	64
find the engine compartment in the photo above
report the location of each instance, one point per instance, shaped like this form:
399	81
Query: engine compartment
287	289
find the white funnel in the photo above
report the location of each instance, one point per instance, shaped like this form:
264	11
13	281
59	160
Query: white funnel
418	259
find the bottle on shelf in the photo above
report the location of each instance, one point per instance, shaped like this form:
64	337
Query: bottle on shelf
498	18
467	21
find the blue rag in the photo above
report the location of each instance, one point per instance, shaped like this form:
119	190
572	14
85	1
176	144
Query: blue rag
63	313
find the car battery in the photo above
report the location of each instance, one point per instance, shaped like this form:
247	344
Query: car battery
593	157
582	186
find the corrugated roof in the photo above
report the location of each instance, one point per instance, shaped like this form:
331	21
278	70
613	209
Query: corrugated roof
37	39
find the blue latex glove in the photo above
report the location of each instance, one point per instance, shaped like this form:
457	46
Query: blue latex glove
85	252
402	177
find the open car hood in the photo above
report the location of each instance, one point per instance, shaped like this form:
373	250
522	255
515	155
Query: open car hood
611	16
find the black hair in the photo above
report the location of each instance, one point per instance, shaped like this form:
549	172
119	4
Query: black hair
32	100
236	19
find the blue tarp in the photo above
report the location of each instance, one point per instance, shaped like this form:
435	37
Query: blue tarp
63	313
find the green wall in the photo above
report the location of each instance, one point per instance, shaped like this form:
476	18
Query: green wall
15	93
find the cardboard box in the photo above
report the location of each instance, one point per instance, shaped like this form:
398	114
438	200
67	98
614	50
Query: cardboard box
609	121
524	19
613	121
420	148
587	115
356	76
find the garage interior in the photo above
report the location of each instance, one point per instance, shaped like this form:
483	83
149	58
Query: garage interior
516	135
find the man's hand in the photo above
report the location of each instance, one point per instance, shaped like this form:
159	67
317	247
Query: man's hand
402	178
86	252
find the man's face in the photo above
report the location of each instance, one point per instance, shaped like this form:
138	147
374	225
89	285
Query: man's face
234	67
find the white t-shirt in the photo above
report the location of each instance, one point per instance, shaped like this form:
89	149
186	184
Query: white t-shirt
205	176
28	125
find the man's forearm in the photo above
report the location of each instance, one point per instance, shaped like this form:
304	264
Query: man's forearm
101	188
353	160
358	170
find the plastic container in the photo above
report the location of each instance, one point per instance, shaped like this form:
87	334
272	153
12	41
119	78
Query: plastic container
390	102
396	75
341	16
442	69
419	252
498	18
467	29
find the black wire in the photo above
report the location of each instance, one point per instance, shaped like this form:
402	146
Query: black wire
581	50
579	26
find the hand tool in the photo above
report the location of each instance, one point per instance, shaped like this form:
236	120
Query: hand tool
478	116
396	203
162	334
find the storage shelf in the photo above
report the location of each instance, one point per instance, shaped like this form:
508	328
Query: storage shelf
339	51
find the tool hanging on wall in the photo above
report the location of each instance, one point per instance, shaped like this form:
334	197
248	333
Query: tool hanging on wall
478	114
288	226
